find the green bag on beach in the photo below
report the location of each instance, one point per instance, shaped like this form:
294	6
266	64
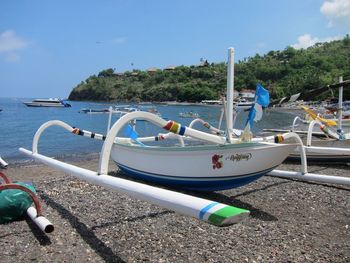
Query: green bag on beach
14	203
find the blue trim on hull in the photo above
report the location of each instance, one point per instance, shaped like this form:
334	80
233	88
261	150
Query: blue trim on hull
195	183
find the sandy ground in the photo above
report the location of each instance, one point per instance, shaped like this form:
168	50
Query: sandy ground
290	221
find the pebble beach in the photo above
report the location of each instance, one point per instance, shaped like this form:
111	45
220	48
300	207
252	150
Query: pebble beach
290	221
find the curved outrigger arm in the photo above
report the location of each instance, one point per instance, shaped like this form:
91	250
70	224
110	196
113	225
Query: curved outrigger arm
296	119
44	127
206	125
326	130
281	138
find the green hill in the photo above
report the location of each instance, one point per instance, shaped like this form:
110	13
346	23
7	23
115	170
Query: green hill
283	72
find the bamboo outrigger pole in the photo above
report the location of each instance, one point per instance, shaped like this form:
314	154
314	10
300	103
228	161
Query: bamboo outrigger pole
203	209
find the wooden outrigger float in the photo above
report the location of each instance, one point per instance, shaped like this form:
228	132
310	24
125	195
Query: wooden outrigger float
224	162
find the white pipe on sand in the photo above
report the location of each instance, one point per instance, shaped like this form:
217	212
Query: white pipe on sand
311	177
203	209
3	163
44	224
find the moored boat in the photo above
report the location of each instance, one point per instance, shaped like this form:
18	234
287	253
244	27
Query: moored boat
243	104
329	145
189	114
93	111
51	102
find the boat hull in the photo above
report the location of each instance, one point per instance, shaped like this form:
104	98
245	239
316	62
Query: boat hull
205	168
33	104
328	150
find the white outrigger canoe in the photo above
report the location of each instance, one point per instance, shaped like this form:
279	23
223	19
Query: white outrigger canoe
202	167
224	162
329	145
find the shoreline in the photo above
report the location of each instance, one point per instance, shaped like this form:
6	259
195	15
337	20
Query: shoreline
289	221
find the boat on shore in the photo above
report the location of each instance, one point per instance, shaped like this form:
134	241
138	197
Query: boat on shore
51	102
332	144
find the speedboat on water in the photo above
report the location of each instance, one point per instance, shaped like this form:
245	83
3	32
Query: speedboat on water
189	114
243	104
51	102
93	111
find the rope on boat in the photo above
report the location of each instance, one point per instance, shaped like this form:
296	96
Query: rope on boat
175	127
160	137
88	134
279	138
97	136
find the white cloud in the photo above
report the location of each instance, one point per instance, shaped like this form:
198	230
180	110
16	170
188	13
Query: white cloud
10	44
307	40
337	12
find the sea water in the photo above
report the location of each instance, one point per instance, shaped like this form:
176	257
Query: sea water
19	124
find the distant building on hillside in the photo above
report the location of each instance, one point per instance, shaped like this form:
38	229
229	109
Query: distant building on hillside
152	70
118	74
169	68
204	63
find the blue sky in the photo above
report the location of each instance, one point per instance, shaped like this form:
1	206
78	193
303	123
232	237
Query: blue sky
48	47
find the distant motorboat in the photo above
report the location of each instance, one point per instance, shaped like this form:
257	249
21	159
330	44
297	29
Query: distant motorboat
51	102
93	111
189	114
212	102
243	104
122	110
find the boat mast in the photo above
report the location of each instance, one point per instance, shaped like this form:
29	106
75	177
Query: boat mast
229	93
340	106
